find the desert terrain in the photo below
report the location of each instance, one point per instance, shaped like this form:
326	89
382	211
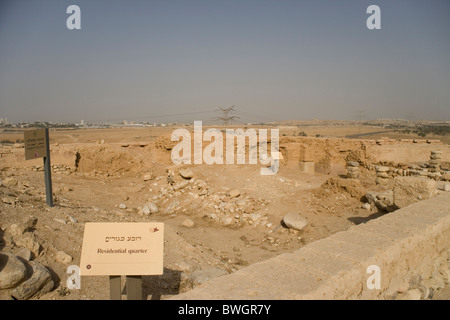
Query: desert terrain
218	218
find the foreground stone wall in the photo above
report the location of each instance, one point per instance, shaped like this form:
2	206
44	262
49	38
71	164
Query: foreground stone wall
410	246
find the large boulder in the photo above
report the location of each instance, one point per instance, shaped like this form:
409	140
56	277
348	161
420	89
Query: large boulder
12	270
408	190
38	284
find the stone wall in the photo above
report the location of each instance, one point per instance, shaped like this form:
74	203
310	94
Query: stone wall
410	246
405	150
330	155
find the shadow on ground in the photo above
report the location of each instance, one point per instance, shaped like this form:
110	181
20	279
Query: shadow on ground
359	220
153	287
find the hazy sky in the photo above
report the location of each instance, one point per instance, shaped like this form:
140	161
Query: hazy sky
273	60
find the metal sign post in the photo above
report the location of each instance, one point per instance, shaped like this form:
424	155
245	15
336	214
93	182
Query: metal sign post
133	287
114	288
48	171
37	145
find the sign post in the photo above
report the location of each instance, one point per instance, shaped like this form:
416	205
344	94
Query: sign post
133	285
118	249
37	146
114	288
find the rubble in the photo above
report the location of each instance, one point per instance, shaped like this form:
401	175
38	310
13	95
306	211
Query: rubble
383	201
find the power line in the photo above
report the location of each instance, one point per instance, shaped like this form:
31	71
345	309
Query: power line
255	116
157	116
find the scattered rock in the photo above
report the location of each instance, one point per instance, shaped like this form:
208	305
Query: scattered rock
122	206
235	193
249	209
148	177
29	241
188	223
434	283
426	292
180	185
186	173
73	219
295	221
18	229
145	210
241	203
9	200
60	220
227	220
10	182
63	257
152	207
366	206
255	217
13	270
414	294
25	253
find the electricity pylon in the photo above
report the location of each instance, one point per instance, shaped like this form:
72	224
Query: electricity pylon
226	118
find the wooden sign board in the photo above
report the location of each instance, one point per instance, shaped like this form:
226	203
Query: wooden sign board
134	248
35	144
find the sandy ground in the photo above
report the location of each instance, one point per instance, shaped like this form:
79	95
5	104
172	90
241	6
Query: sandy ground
205	244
